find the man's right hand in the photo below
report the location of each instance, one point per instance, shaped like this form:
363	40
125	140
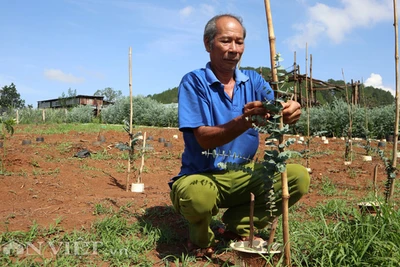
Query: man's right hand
253	109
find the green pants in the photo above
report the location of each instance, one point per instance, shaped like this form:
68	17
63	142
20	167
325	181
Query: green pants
198	197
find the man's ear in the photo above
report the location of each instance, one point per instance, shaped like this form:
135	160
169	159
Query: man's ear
207	45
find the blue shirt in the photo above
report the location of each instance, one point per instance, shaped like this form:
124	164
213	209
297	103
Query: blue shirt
203	102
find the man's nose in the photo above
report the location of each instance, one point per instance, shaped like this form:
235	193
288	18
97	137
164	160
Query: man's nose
233	47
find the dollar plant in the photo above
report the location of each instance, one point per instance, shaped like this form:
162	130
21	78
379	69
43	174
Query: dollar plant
388	163
134	141
306	153
7	126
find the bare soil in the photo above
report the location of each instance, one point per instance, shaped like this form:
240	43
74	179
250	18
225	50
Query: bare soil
45	182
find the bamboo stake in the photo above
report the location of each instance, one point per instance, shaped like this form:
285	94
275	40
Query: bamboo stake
272	232
130	119
139	179
272	51
374	181
396	127
251	237
350	109
295	77
312	98
285	189
308	110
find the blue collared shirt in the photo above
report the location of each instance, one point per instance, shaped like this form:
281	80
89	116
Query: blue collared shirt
203	102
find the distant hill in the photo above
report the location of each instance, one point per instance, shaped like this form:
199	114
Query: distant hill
166	97
369	96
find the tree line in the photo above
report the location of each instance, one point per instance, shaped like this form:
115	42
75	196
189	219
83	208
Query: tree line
370	96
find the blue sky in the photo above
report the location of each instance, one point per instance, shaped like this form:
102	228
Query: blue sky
49	46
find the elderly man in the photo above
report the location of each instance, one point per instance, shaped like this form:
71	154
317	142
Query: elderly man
215	103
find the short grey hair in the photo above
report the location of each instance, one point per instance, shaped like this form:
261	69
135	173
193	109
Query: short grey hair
210	29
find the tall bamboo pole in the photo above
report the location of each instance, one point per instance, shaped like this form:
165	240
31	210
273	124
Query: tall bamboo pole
311	82
349	148
312	96
308	110
295	77
285	188
130	119
396	126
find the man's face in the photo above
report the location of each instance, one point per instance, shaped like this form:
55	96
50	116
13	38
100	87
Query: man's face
228	44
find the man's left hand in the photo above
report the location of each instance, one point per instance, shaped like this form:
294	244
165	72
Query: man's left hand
291	112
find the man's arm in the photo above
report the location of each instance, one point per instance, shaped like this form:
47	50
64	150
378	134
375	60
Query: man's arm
213	136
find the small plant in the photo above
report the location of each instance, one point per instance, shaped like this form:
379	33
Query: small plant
390	170
306	152
6	127
368	148
133	142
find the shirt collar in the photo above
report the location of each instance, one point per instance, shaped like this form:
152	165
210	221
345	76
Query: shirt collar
211	78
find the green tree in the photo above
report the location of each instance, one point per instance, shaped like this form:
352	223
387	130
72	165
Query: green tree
64	97
10	98
109	94
71	93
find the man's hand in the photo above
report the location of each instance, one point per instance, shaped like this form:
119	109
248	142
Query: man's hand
252	109
291	112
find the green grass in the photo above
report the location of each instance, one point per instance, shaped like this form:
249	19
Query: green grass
63	128
333	233
328	187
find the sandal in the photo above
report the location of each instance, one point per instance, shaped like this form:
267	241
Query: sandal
232	236
201	252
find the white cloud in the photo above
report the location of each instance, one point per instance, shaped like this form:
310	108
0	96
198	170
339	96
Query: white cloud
207	10
186	11
375	80
336	23
58	75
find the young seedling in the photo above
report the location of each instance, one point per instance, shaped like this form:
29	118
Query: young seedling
133	141
6	127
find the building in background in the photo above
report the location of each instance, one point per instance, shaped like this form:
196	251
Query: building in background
97	102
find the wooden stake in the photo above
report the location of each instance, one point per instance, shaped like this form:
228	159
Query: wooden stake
285	188
274	225
130	119
139	179
295	77
251	237
396	126
374	181
308	111
349	134
312	98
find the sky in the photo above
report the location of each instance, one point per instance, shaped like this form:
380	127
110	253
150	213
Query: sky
50	46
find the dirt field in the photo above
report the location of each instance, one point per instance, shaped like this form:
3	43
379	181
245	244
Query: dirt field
45	182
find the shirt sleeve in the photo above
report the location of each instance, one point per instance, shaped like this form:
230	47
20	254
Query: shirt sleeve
194	106
263	88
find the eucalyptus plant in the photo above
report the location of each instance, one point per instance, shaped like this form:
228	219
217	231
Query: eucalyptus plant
387	162
7	126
